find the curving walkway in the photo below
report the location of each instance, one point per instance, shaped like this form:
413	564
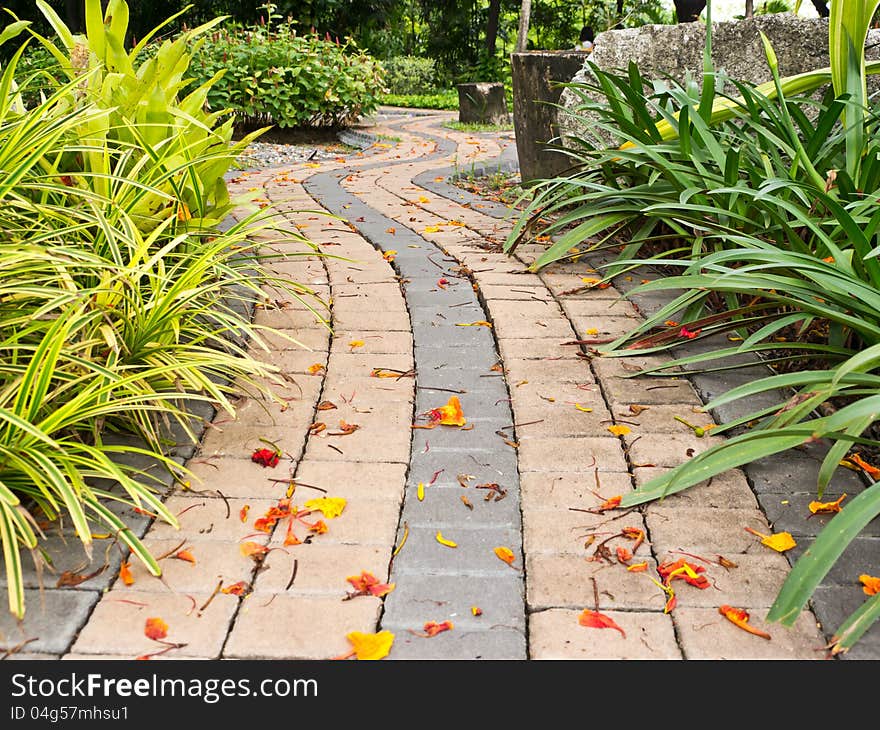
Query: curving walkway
423	306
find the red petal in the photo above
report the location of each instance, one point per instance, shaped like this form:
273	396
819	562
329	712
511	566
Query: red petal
596	620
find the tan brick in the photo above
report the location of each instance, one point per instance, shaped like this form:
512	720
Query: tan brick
561	490
292	389
575	454
567	531
117	624
705	531
556	634
616	367
375	343
292	362
706	634
493	292
290	319
288	627
589	307
352	479
564	581
728	490
239	440
366	393
529	319
215	561
314	339
537	348
666	449
211	518
358	365
551	372
649	391
382	437
321	568
660	418
362	522
257	411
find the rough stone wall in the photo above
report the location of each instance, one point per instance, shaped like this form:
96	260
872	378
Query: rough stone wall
661	51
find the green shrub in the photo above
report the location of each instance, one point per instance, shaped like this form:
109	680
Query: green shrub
434	99
113	319
271	75
409	74
763	207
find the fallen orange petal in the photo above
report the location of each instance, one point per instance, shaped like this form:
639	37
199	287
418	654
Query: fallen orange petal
619	430
740	617
251	549
637	567
779	541
505	554
870	469
316	368
125	573
596	620
611	502
624	555
449	415
478	323
243	513
432	628
871	584
155	628
236	589
476	611
186	556
389	255
823	508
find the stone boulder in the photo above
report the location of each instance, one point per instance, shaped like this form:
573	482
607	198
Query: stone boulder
676	51
482	102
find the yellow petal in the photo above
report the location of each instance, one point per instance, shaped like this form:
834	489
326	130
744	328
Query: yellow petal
619	430
443	541
505	554
356	343
423	199
582	409
480	323
371	646
421	491
780	541
592	331
330	507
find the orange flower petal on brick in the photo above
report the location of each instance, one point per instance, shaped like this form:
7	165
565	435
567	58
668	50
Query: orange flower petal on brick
290	538
236	589
505	554
740	617
596	620
476	611
449	415
689	334
443	282
330	507
870	584
356	343
824	508
423	199
125	573
635	534
871	470
370	646
432	628
265	457
155	629
619	429
478	323
186	556
316	368
624	555
392	230
243	513
389	255
251	549
611	503
368	584
681	569
779	541
319	527
637	567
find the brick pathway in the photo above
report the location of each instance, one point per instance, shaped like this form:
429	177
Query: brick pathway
537	412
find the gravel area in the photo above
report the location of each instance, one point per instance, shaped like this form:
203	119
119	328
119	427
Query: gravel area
273	154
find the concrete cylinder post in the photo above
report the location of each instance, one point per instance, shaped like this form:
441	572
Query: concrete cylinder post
535	91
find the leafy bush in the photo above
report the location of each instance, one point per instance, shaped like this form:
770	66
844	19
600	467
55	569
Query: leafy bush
267	74
763	207
409	74
435	99
113	320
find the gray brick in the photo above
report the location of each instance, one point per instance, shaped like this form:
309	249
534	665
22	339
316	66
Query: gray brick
442	504
497	643
52	618
474	556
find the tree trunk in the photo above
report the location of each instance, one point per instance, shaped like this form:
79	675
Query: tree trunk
492	27
73	10
522	37
750	8
688	11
